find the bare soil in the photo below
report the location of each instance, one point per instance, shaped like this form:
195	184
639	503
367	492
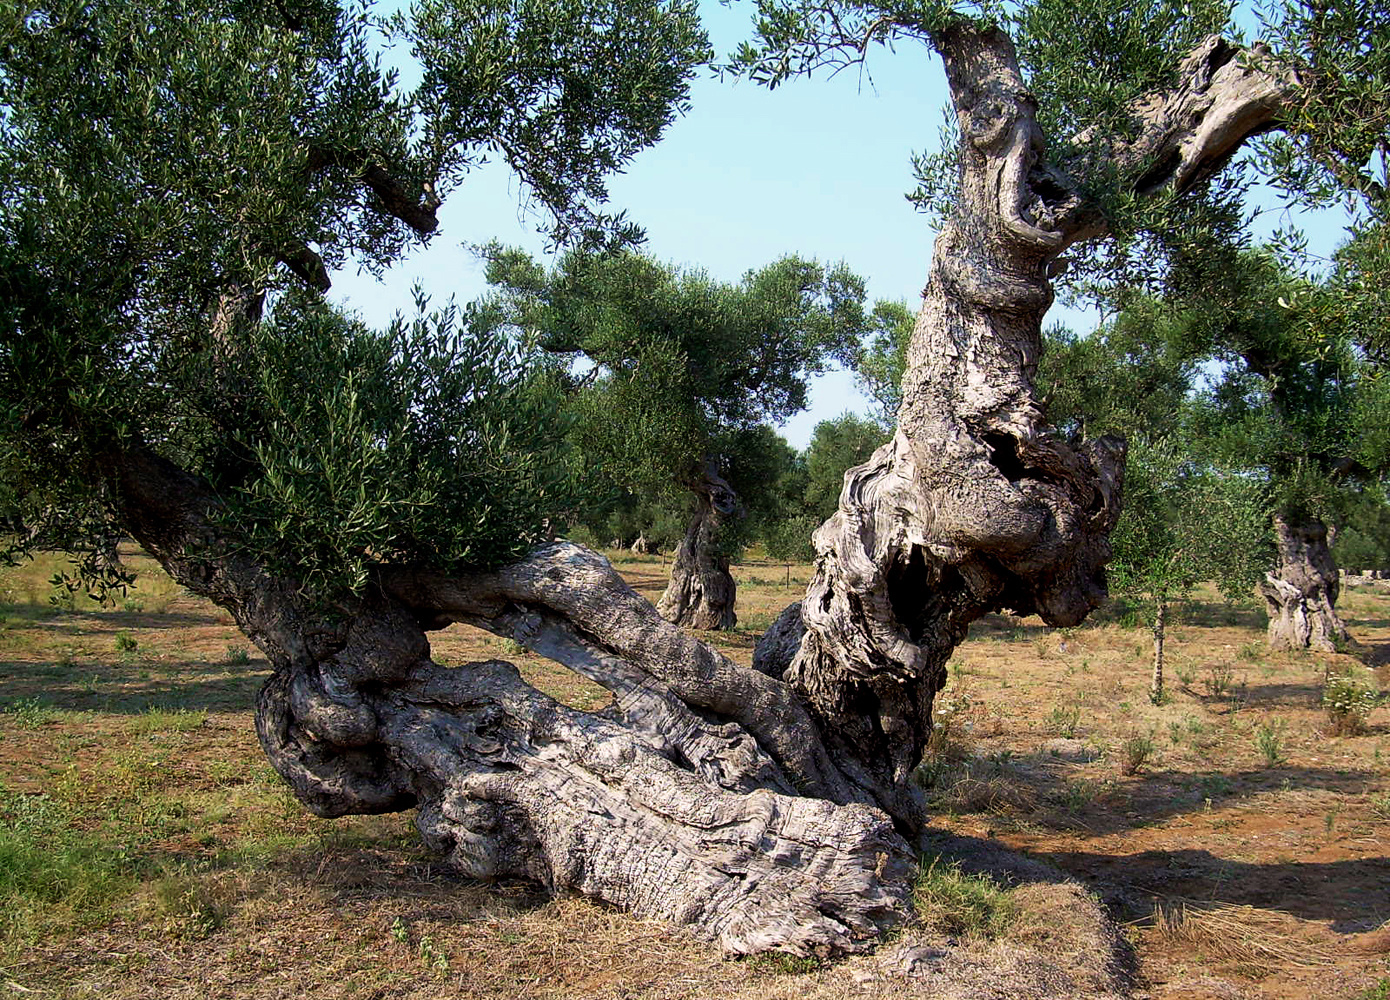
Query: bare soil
1241	846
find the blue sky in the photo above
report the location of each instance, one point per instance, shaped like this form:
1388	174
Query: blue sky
818	168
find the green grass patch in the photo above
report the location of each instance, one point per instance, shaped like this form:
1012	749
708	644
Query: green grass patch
952	902
31	713
50	875
156	719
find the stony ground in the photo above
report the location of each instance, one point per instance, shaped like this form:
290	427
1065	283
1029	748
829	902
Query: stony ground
147	850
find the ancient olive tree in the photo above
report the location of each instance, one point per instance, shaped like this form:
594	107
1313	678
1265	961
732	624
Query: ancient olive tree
1299	406
680	371
178	184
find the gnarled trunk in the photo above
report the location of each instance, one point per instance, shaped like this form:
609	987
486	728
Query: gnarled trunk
975	504
702	795
765	807
701	591
1301	592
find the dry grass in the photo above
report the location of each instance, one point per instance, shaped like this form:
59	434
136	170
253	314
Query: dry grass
187	869
1242	936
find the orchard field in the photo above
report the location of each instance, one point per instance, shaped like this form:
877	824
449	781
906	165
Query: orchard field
147	849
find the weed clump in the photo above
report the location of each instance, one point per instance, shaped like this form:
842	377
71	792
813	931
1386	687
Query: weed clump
1348	703
1135	752
952	902
1269	740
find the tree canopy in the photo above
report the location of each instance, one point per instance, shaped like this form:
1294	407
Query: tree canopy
178	182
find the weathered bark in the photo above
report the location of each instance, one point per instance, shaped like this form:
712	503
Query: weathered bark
702	795
701	591
764	808
976	504
1301	592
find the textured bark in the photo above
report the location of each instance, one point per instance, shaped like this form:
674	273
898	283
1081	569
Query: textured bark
702	795
976	504
765	808
701	591
1301	592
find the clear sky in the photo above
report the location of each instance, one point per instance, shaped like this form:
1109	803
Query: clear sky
817	168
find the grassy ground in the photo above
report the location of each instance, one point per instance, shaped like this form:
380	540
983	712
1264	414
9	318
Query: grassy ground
146	849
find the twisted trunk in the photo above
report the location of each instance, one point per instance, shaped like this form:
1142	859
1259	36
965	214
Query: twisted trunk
1301	592
701	591
702	795
976	504
765	808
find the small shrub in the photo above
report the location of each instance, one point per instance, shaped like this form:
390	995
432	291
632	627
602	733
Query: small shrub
1076	795
31	713
1251	652
1218	679
1269	740
238	656
431	954
1185	675
1347	703
126	643
952	902
1135	752
1380	805
784	965
1064	720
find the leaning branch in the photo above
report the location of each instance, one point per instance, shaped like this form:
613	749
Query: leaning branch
419	210
1225	94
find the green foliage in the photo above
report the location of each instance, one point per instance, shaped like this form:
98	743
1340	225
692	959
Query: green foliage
427	443
665	369
1363	538
1164	542
1129	377
789	540
1087	61
881	359
798	37
1335	135
166	168
566	93
950	901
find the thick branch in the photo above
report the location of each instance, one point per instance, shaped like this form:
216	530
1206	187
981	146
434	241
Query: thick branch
582	588
416	210
308	267
670	807
1225	94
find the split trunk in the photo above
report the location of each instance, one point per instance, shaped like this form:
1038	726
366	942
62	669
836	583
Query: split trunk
767	807
1301	592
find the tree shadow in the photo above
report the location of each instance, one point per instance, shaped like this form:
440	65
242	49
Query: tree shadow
134	687
1350	896
62	621
1048	792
